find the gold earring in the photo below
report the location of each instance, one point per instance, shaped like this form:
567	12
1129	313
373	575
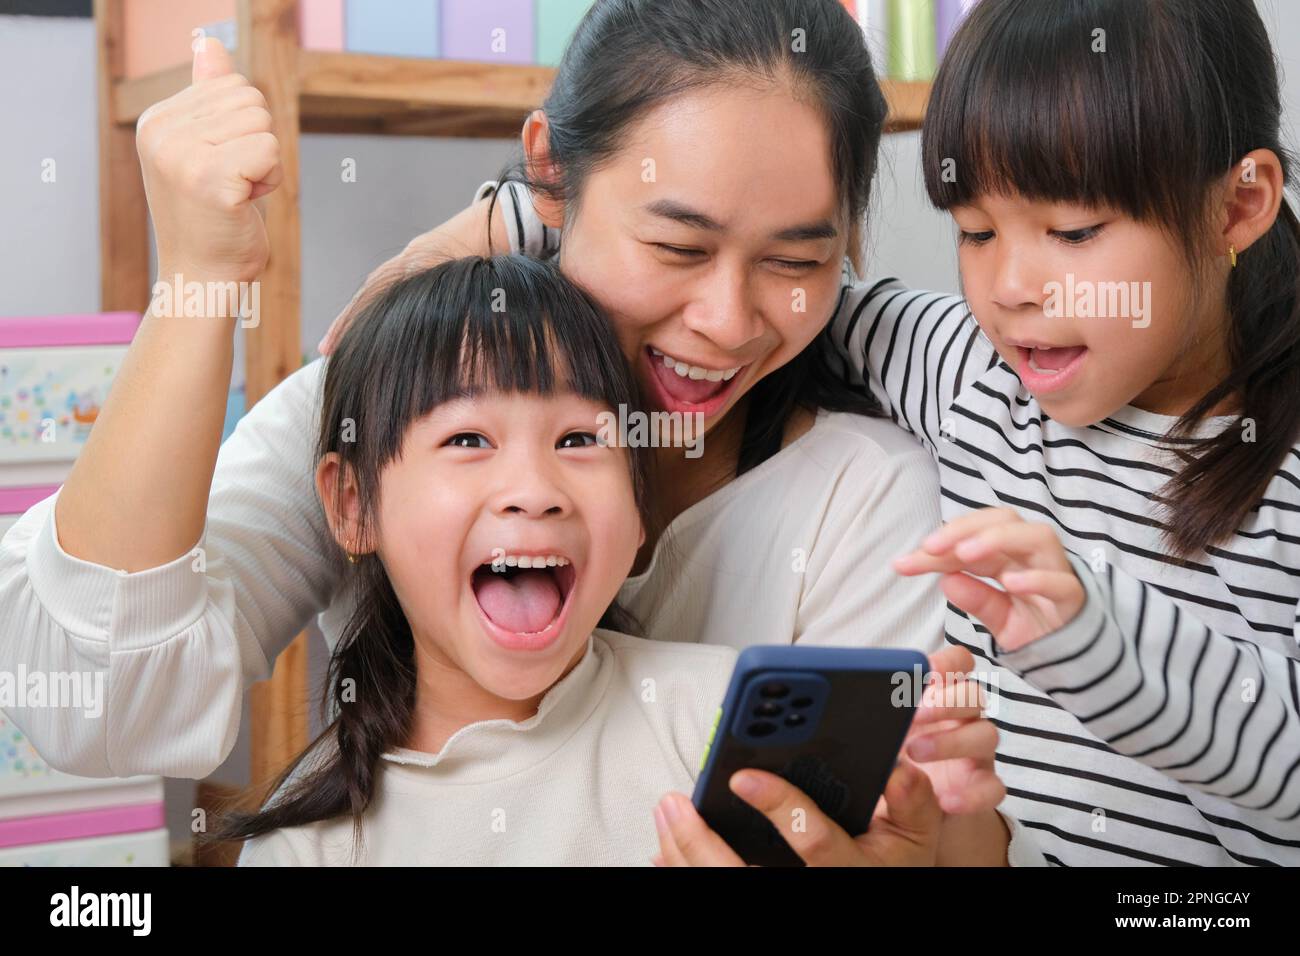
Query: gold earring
352	558
1232	255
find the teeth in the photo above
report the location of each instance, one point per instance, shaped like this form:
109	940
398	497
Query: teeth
528	561
695	372
1033	364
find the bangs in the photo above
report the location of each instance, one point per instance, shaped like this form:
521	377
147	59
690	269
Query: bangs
503	324
1076	101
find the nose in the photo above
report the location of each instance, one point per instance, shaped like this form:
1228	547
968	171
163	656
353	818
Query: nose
724	311
1017	282
529	486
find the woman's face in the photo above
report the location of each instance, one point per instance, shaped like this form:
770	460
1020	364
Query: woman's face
714	239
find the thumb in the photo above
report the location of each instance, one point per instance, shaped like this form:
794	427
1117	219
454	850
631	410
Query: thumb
210	59
913	807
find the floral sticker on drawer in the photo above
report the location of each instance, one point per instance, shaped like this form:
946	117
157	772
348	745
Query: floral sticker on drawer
55	373
18	758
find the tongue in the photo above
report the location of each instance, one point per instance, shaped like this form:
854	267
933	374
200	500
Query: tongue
525	603
1053	360
693	391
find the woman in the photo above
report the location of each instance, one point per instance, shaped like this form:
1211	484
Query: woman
711	171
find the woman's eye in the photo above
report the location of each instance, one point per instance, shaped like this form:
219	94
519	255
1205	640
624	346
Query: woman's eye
1074	237
973	238
679	251
578	440
467	440
796	265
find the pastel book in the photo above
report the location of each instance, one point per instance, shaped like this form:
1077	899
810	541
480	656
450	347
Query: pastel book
393	27
488	31
556	21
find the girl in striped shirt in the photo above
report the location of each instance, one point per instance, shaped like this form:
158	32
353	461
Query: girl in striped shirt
1114	409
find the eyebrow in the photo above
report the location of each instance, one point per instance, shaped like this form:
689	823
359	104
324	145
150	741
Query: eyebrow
681	213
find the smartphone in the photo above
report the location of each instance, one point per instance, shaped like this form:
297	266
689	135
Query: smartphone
830	720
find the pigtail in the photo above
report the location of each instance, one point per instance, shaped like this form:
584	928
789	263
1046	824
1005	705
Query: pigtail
371	679
1225	478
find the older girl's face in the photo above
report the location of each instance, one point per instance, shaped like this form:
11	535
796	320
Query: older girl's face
714	239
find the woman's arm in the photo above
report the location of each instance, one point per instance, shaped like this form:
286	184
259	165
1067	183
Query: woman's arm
516	228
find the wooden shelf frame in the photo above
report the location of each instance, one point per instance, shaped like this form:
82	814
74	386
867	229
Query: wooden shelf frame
307	91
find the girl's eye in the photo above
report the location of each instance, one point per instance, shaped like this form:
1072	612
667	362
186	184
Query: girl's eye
578	440
973	238
1074	237
467	440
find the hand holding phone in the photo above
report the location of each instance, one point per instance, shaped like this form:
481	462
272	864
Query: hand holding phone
826	725
905	829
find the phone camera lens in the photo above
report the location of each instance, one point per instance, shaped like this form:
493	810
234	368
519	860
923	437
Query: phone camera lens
795	720
762	728
774	690
769	708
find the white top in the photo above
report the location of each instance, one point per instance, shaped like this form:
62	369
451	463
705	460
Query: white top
574	785
1162	726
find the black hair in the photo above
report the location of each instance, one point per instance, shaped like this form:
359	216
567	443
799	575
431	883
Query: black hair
1024	103
429	338
628	57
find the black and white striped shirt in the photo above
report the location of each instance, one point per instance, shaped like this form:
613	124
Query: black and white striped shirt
1162	725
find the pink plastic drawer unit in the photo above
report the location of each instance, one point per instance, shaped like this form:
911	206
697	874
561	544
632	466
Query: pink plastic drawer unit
53	818
148	848
15	501
54	375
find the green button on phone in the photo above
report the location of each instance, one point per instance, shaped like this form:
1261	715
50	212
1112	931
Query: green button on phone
713	732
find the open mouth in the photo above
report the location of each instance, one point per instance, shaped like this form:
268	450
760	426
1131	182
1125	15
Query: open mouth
524	599
1049	369
680	387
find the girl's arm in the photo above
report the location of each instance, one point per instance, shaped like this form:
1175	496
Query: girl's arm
1216	714
146	578
914	351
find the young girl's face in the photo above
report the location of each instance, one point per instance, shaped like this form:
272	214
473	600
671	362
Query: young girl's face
1092	309
492	479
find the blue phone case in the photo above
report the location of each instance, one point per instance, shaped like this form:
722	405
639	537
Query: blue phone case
828	719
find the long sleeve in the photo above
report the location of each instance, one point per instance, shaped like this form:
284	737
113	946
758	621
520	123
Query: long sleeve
884	503
175	646
913	350
526	232
1216	714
